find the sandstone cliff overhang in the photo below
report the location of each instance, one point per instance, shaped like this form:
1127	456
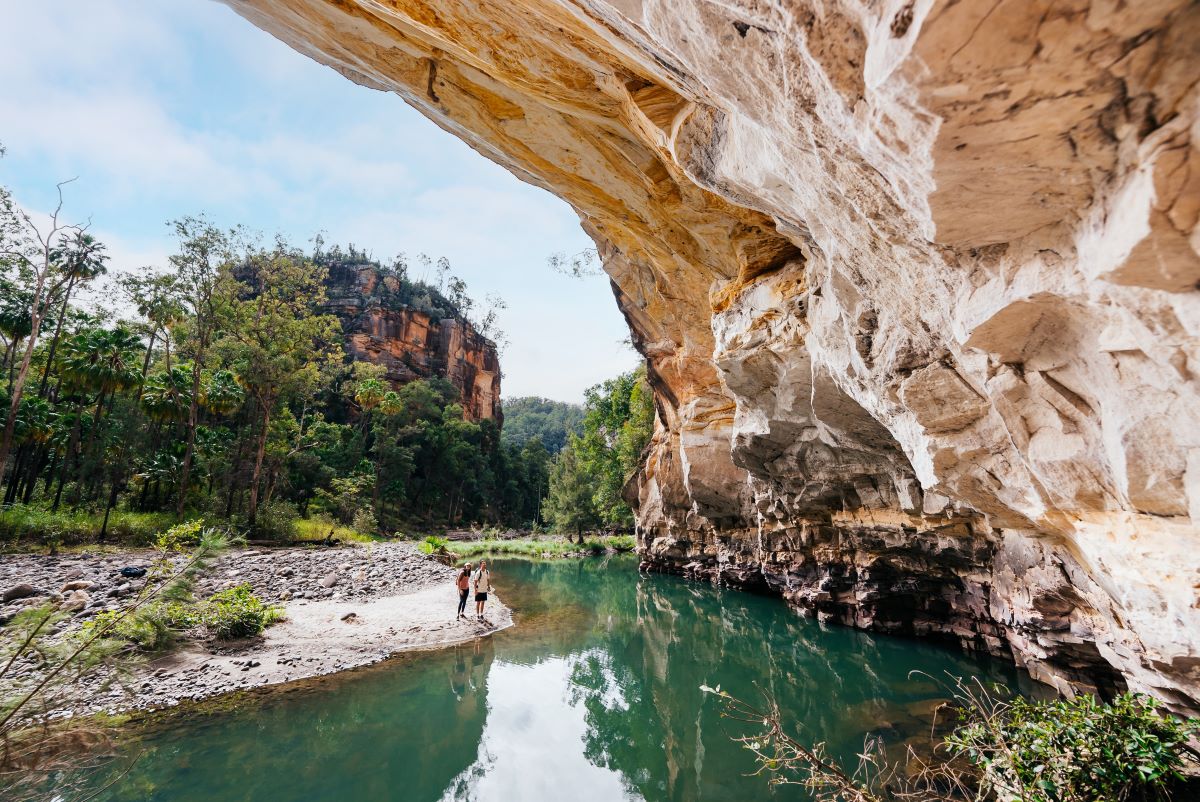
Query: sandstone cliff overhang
915	281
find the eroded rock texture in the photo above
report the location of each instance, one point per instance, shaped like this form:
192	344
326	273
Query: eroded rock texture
412	344
915	280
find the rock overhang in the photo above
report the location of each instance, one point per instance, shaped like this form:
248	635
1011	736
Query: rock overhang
898	269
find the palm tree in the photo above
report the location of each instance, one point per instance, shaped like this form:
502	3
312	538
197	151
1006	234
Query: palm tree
15	324
167	395
101	361
391	405
221	394
369	393
82	260
35	422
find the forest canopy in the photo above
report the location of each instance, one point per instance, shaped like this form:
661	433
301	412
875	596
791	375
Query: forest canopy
215	385
532	417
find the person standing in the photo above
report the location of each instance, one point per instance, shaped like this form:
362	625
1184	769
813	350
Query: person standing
482	579
464	587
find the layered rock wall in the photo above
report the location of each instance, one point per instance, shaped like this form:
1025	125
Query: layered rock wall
915	281
413	344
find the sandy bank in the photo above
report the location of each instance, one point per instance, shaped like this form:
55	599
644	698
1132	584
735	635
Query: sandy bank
346	607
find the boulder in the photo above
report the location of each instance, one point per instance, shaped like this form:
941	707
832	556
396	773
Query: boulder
21	591
75	601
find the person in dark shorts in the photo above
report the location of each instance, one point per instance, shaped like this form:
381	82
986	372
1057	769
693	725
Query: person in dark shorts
482	579
464	588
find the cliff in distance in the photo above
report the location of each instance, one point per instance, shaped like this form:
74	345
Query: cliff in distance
412	342
915	281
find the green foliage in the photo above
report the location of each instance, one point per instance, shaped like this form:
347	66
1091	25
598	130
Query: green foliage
570	505
277	520
151	628
364	521
1081	749
539	547
320	527
167	395
180	537
237	613
30	522
588	479
532	418
434	544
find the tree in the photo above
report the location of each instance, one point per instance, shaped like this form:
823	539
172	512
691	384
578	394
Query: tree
570	504
83	260
155	299
44	254
542	419
274	340
205	252
617	424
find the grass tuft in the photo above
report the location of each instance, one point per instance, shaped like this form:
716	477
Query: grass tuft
318	528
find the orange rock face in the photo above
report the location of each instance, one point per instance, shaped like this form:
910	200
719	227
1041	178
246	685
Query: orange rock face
410	343
915	281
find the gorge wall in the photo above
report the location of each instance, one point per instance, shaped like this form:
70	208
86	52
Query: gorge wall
412	343
915	280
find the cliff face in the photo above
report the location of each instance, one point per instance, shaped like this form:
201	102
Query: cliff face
410	343
915	280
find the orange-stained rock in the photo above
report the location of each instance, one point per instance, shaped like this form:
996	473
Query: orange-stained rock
411	343
915	281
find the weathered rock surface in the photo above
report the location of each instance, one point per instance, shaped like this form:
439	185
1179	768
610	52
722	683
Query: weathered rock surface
411	343
915	280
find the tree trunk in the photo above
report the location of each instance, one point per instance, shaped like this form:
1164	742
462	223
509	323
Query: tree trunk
190	447
58	324
17	386
112	501
35	468
252	509
10	492
72	444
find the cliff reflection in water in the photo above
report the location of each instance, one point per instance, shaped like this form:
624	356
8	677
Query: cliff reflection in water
593	696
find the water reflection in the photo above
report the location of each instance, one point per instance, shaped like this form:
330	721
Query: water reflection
594	696
527	750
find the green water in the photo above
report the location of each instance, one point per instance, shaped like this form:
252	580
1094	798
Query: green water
594	695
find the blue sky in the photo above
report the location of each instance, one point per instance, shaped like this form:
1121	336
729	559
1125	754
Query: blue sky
163	108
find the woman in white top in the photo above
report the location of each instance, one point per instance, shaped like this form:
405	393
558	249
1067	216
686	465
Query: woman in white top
482	580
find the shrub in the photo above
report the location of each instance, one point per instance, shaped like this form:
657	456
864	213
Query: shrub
1077	749
238	613
276	520
151	628
32	523
1081	750
134	528
433	544
364	521
180	537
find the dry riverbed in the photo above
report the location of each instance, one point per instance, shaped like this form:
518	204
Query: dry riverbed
346	607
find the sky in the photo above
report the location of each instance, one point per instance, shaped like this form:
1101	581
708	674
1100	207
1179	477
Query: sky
165	108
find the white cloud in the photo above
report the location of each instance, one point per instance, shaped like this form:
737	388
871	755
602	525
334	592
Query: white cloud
166	109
